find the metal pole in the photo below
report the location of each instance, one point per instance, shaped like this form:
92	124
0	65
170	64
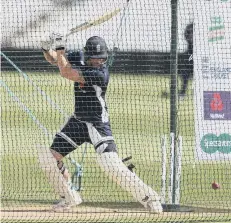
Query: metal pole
173	87
164	169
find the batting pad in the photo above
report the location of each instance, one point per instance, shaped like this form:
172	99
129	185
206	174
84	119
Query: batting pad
49	166
129	181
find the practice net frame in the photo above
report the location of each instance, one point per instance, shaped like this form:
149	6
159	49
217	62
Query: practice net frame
180	144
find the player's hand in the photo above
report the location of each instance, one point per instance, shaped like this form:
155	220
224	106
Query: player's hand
58	41
46	45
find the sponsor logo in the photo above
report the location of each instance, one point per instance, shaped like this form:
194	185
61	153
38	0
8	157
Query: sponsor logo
210	143
98	48
217	105
216	30
211	72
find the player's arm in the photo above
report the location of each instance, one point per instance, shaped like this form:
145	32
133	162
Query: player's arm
66	69
57	57
50	56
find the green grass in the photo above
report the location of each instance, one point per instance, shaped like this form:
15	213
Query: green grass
139	117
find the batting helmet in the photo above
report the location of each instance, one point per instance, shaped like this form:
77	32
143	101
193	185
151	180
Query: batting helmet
96	48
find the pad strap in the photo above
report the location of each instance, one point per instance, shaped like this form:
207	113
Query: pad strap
61	166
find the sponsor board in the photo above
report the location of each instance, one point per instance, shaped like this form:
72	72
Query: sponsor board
212	80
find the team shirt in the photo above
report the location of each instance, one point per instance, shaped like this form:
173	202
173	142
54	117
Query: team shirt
90	104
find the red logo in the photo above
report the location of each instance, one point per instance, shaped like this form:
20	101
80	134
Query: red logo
216	103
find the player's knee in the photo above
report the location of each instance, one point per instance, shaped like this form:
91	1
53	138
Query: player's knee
46	159
106	147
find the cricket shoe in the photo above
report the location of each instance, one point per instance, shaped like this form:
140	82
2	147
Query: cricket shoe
67	203
153	206
63	206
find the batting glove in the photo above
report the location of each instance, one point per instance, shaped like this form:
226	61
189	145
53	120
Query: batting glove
57	40
46	45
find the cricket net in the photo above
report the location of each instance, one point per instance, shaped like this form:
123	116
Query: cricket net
169	101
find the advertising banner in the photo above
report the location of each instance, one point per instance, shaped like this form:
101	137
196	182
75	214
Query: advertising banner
212	79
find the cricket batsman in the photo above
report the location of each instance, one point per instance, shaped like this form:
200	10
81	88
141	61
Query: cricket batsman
89	123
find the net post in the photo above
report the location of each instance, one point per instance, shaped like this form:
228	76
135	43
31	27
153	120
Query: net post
163	168
173	89
178	170
172	168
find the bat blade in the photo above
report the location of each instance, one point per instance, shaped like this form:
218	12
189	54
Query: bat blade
95	22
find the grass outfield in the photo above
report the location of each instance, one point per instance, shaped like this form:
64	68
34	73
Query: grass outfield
139	117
